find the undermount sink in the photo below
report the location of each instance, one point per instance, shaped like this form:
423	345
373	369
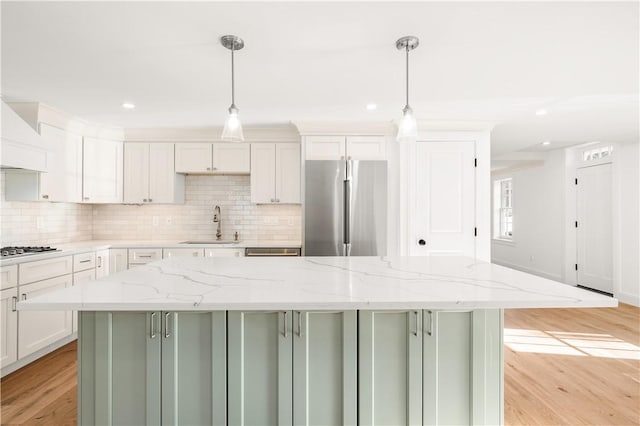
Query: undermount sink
211	242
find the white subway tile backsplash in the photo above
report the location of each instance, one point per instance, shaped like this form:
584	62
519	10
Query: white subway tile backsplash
43	223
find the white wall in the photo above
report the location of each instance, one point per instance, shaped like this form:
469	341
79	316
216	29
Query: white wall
538	216
628	157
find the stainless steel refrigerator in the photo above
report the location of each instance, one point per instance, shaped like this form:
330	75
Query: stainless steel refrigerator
345	209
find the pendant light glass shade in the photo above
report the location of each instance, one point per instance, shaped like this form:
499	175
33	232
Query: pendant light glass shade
407	127
232	126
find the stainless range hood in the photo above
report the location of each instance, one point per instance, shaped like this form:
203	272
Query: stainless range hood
22	147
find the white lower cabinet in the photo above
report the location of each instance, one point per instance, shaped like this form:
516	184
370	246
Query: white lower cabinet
118	260
8	326
224	252
182	252
37	329
102	263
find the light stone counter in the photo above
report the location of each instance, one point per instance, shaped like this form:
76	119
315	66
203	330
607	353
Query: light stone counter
317	283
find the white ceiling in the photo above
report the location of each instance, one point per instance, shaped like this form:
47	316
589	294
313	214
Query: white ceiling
496	62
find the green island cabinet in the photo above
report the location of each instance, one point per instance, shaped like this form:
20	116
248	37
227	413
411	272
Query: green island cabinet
410	367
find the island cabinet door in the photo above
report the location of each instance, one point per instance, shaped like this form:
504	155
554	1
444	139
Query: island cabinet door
260	368
462	367
390	367
119	374
325	368
194	368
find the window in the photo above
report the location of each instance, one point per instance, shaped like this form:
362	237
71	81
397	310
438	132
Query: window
503	209
597	153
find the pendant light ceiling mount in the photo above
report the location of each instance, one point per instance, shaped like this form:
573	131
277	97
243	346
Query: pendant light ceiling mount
232	42
232	126
407	43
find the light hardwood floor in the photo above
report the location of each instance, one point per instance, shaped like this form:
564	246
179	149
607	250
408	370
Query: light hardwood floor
562	367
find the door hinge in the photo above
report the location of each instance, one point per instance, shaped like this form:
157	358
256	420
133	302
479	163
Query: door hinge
576	266
576	181
576	223
475	162
475	232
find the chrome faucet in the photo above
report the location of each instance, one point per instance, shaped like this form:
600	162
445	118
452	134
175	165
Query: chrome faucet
217	218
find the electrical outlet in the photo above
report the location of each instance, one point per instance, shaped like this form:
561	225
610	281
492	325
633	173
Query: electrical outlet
168	220
156	221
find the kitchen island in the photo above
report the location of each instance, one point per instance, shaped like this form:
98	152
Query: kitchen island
310	340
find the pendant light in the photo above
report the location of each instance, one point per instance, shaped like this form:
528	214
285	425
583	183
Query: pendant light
232	126
407	128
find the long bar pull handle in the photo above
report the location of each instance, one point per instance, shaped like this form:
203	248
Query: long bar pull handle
415	332
284	321
299	324
430	331
152	326
14	301
166	325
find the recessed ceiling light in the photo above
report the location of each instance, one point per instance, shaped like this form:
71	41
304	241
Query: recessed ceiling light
128	105
372	107
546	143
541	111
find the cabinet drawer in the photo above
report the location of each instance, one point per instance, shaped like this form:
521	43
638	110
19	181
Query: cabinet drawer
84	261
182	252
144	255
8	276
43	269
224	252
84	276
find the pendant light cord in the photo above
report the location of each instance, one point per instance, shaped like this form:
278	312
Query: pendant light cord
407	51
233	90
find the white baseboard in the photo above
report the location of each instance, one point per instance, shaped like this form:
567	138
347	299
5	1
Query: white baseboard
38	354
629	299
533	271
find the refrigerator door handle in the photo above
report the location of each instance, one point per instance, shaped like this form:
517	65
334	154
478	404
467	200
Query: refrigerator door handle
346	236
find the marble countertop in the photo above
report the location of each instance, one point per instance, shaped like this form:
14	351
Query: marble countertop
317	283
93	245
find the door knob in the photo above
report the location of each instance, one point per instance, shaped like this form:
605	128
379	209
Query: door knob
422	242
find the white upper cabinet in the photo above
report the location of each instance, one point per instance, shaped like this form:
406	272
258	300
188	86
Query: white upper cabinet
193	157
345	148
149	174
102	171
275	173
231	157
62	182
212	158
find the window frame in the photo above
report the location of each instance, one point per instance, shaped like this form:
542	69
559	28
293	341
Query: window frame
503	210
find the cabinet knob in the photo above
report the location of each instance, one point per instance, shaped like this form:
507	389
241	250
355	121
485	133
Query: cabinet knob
144	200
150	199
208	168
86	198
46	197
422	242
273	200
342	157
214	168
277	200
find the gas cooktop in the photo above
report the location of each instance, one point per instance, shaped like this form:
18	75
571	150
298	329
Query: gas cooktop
22	251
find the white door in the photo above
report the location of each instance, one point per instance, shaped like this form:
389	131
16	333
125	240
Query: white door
136	172
63	181
231	158
102	263
8	326
288	173
443	215
102	171
594	240
118	260
193	157
263	173
162	174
